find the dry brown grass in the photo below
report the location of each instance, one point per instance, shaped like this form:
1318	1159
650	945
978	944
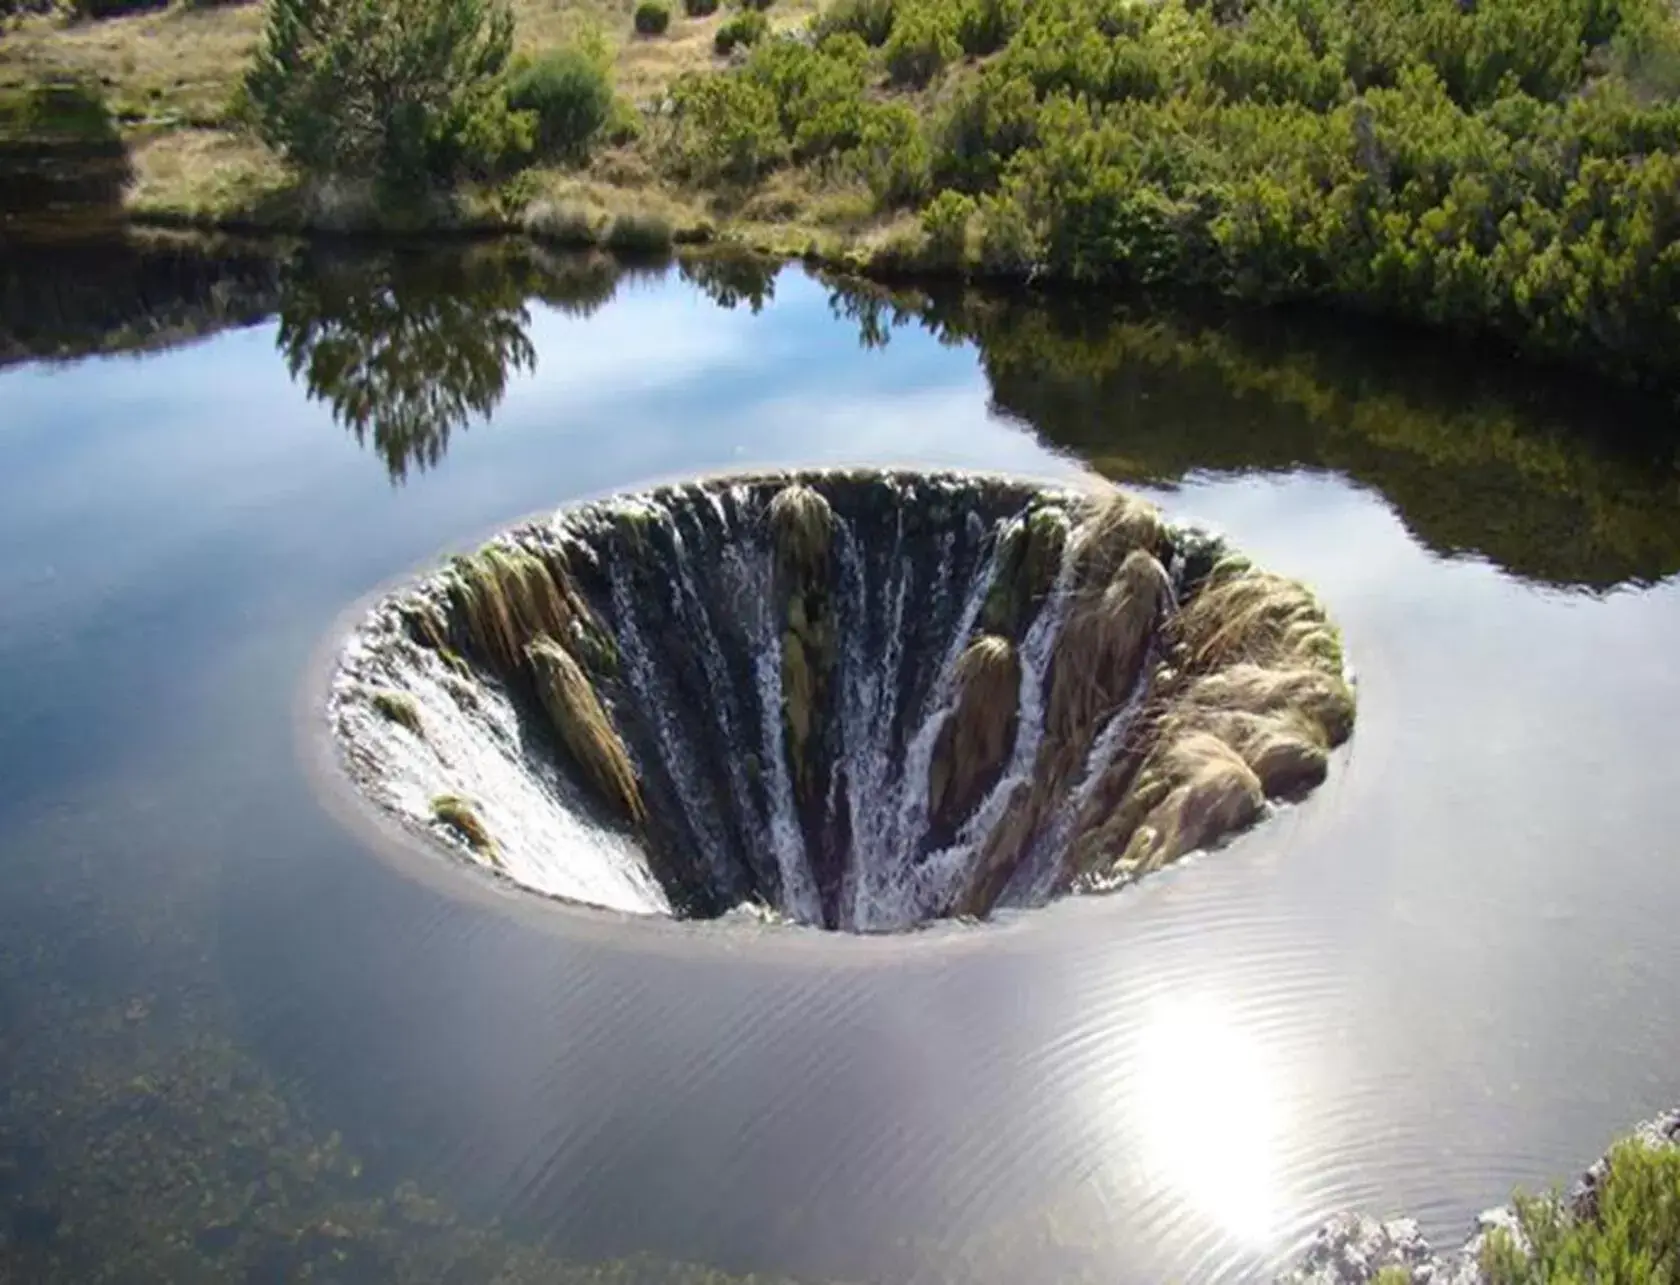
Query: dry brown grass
976	740
203	173
1244	614
458	815
399	708
169	67
1103	641
1120	590
801	527
801	531
1250	713
1194	792
1112	527
585	726
170	77
508	598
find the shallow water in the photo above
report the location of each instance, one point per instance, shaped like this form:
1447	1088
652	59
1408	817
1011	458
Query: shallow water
1450	970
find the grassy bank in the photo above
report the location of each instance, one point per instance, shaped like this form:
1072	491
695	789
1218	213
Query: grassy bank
1509	168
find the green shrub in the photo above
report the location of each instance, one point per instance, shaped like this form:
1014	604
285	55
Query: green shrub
411	94
1008	247
726	127
639	234
96	9
985	26
893	155
743	29
1635	1236
758	5
1503	166
700	8
652	18
870	19
945	221
568	93
818	91
923	40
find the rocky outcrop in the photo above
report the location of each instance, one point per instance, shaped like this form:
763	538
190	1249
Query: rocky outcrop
1356	1249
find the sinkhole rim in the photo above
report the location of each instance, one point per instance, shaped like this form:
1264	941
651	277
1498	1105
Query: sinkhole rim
420	851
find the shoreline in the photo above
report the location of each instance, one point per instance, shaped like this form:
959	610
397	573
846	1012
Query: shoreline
883	266
1359	1249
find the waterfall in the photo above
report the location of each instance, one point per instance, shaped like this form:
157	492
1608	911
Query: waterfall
779	663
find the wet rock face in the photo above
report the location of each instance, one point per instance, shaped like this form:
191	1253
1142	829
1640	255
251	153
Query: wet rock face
858	700
1355	1249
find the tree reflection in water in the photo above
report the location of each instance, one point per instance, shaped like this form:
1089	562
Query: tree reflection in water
406	348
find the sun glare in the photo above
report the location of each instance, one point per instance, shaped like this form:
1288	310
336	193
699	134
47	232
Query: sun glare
1211	1115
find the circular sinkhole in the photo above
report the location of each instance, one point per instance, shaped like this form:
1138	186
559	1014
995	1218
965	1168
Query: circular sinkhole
860	700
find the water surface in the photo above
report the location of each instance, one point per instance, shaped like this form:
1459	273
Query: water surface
242	1041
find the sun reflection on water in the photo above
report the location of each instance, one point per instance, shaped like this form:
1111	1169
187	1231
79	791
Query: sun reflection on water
1211	1115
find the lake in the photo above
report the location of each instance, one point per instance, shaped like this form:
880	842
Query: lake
244	1036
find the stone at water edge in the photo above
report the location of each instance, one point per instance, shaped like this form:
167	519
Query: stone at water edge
1352	1249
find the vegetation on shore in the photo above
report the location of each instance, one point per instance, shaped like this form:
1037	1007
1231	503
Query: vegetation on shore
1632	1233
1508	167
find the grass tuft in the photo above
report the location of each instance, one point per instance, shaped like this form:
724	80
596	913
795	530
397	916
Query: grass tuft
975	742
399	708
459	816
585	726
801	527
639	234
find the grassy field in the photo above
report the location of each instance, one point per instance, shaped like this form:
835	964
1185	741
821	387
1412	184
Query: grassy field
169	77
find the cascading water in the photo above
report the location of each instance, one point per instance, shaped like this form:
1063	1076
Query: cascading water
859	700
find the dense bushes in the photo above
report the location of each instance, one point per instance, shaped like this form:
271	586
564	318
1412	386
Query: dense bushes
568	94
700	8
409	93
1509	166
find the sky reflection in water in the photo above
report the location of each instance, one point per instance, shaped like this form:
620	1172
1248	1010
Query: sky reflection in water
1433	980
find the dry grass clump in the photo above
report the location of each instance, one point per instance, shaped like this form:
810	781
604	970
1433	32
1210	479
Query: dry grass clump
1103	643
1254	700
584	725
976	740
399	708
1029	557
802	528
802	534
1120	591
1245	615
1195	791
507	597
1112	528
455	813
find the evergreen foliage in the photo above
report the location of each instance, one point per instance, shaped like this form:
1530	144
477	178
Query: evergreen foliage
411	93
1508	167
